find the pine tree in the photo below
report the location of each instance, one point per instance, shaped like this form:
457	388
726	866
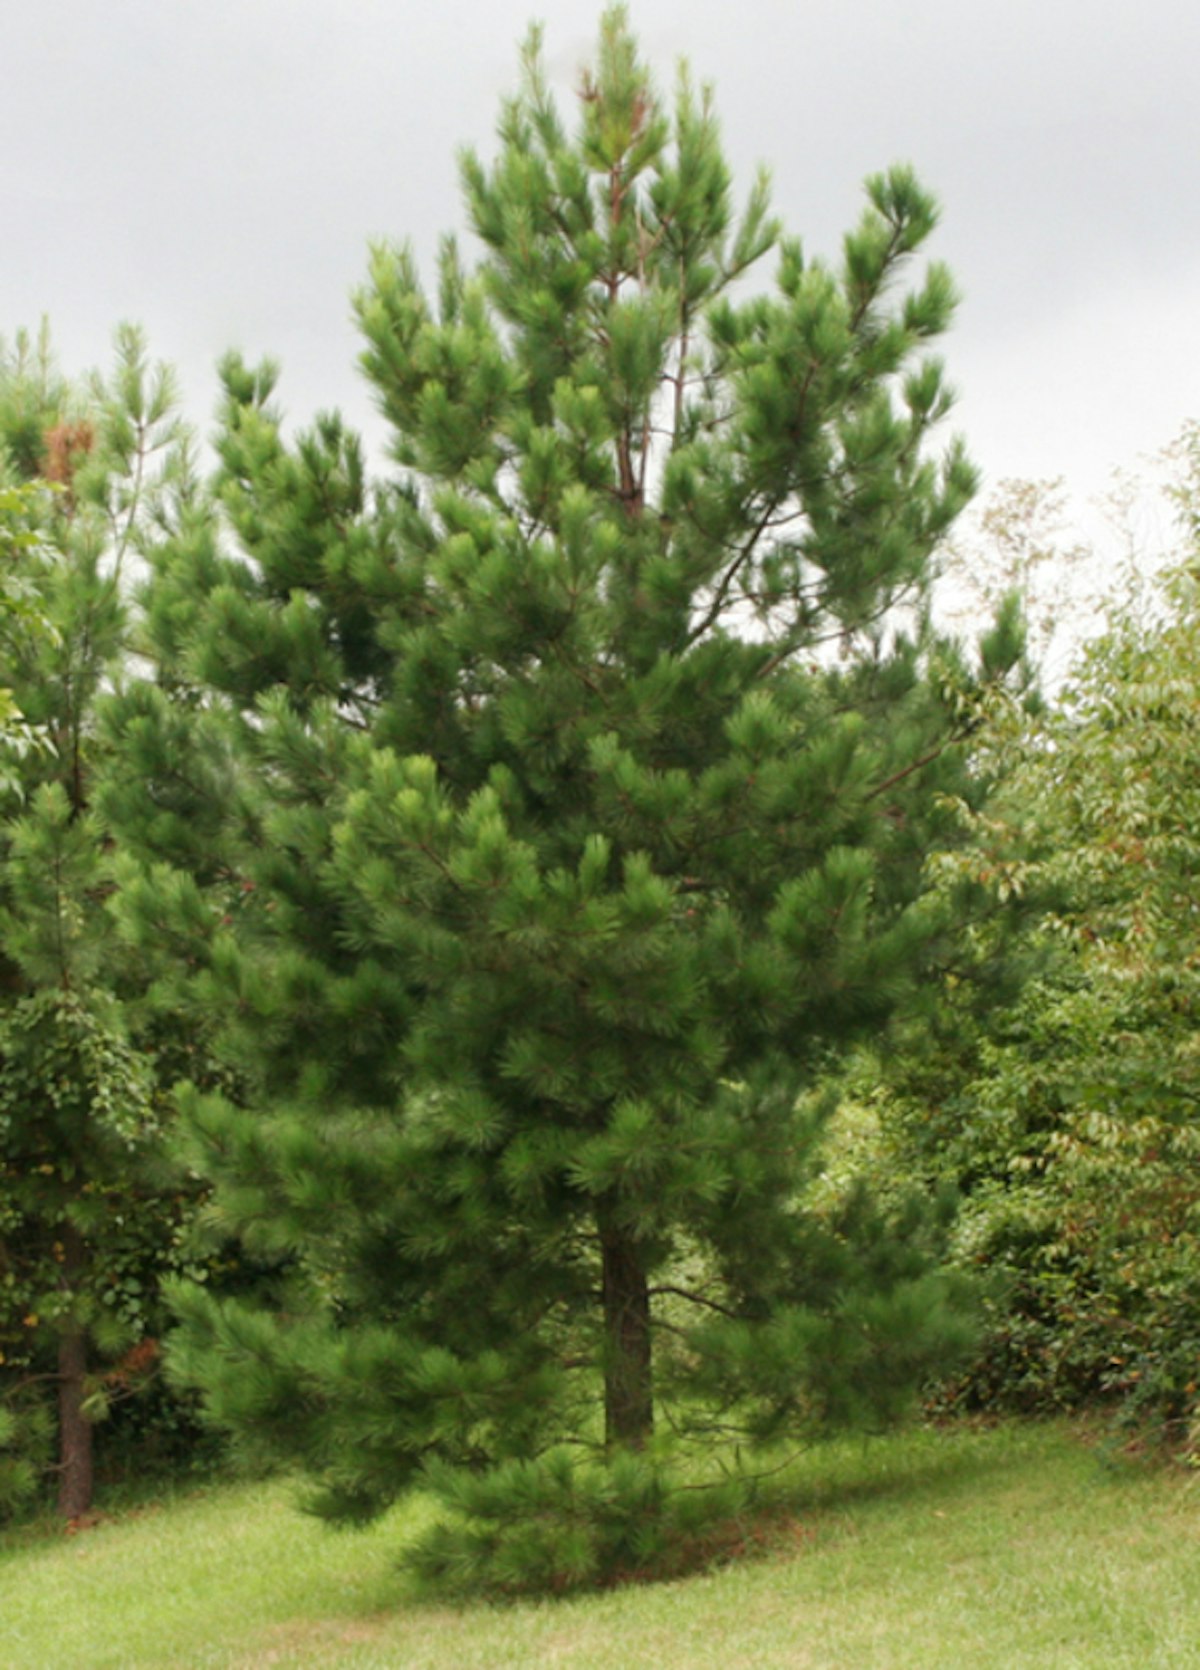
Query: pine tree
78	1120
575	787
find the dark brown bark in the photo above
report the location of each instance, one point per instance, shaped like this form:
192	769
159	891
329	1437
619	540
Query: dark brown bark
74	1427
628	1382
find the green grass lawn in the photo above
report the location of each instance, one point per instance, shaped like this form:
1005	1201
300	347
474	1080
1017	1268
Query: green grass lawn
959	1548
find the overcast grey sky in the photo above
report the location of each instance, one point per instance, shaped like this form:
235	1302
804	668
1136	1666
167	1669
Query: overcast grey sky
214	170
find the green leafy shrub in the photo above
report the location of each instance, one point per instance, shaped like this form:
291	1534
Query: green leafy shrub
1069	1115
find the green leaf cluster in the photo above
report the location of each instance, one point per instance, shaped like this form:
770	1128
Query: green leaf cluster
1066	1109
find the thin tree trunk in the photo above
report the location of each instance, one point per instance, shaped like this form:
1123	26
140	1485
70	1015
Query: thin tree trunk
74	1427
628	1384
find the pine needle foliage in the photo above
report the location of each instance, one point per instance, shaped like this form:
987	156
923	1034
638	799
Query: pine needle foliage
563	802
86	1213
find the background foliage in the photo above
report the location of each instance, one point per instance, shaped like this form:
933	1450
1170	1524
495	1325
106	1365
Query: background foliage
1067	1112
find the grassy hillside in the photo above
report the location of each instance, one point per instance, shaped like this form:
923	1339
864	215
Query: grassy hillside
964	1549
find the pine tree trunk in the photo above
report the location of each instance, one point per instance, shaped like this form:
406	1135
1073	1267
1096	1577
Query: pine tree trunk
74	1427
628	1386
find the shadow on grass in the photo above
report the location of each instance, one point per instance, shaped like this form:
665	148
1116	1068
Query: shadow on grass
916	1465
802	1503
116	1504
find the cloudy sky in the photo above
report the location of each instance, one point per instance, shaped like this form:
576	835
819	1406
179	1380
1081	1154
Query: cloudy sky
214	171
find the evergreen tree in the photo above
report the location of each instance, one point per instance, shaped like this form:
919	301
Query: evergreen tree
78	1119
574	791
22	617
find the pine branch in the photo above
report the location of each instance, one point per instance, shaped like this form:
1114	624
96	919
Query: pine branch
695	1299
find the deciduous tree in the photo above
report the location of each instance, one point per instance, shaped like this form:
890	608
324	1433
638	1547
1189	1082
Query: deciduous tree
1067	1112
